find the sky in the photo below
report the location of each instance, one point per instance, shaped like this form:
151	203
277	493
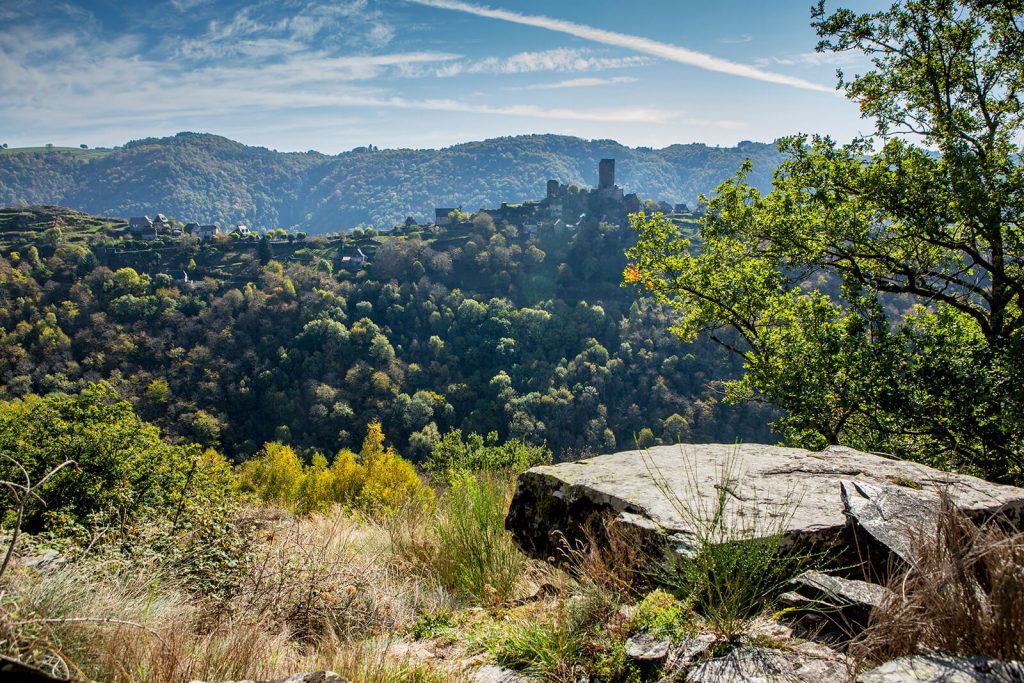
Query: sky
295	75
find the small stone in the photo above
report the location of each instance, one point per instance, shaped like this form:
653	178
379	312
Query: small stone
647	648
497	674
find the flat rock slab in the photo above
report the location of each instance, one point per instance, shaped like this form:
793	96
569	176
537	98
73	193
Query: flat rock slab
670	491
762	665
943	669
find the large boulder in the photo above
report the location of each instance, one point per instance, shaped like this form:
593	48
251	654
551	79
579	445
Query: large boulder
668	492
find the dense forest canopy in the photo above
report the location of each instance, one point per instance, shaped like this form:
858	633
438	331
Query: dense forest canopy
475	326
207	178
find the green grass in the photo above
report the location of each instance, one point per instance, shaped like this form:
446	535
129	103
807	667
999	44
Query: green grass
740	564
477	557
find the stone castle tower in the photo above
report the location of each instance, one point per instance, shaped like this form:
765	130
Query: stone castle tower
606	174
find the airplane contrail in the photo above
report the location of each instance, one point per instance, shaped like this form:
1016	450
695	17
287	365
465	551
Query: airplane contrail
667	51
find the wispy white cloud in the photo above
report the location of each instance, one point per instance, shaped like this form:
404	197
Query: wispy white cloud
588	82
813	59
667	51
561	59
736	40
558	59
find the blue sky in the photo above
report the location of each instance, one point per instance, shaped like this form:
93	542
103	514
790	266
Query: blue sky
332	75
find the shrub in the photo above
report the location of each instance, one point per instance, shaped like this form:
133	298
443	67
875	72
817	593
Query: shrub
389	480
475	454
739	563
124	470
662	615
275	474
379	481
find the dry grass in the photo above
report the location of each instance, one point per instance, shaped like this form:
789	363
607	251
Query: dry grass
963	594
316	593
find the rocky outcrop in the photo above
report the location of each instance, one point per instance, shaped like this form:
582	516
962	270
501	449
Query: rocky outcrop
668	492
847	603
944	669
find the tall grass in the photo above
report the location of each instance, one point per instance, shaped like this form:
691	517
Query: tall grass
738	563
962	594
463	545
314	595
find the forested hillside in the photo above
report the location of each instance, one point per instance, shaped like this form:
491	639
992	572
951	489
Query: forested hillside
474	326
205	178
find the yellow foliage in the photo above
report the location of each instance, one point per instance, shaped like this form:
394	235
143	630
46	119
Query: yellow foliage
315	492
275	475
379	480
347	477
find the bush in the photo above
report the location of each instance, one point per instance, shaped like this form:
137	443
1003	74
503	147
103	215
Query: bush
475	454
379	481
738	564
124	470
663	616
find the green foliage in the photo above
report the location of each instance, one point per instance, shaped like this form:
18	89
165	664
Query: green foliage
124	470
475	555
662	615
453	454
286	351
892	272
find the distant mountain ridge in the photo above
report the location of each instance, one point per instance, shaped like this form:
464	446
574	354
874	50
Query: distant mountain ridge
205	177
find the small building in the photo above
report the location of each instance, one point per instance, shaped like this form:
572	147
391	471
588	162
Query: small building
192	228
207	232
142	228
441	215
161	223
354	261
682	208
243	230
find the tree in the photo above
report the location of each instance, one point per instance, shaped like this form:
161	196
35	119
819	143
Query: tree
876	292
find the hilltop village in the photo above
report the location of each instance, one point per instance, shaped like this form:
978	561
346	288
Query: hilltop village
564	208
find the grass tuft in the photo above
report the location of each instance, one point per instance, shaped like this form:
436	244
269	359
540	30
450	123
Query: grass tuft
962	594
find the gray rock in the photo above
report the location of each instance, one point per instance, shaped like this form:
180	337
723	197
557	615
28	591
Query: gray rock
889	514
689	651
847	603
761	665
667	491
647	648
497	674
943	669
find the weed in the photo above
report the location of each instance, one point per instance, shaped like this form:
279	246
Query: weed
963	594
738	563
